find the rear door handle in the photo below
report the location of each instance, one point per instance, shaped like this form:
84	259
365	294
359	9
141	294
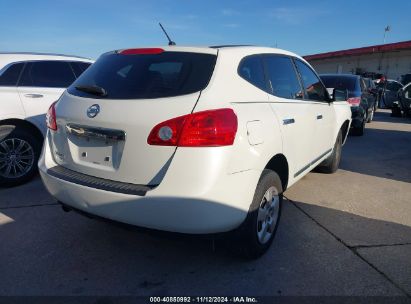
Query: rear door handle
319	116
33	95
288	121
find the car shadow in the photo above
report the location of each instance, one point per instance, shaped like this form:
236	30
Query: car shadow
355	230
380	152
48	252
384	115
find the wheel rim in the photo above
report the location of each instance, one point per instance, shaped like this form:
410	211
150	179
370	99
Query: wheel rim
268	215
16	158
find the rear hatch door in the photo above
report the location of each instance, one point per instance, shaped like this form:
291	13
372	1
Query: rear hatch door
105	117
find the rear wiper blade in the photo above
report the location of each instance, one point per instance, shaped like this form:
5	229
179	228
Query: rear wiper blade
92	89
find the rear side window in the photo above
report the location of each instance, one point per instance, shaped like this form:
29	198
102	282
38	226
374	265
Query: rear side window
340	82
251	69
79	67
147	76
48	74
282	77
10	76
312	84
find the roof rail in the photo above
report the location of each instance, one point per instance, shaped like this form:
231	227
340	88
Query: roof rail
229	45
37	53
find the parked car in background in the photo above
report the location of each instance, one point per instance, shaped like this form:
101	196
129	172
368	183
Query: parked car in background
403	106
406	79
371	88
388	92
29	84
362	101
192	140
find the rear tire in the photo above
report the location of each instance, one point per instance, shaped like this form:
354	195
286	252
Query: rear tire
331	164
359	131
19	154
253	238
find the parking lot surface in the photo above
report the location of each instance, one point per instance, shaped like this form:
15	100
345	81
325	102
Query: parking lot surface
348	233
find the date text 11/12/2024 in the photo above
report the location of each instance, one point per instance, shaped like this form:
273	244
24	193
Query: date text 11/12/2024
203	299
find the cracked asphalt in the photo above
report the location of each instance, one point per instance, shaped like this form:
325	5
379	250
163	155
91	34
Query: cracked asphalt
344	234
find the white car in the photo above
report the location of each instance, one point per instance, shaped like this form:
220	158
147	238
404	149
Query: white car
192	140
29	84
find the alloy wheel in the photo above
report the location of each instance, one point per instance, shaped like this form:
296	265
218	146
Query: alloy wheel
16	158
268	213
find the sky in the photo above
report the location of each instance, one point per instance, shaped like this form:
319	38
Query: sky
91	27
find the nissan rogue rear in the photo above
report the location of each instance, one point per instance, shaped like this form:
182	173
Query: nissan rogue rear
192	140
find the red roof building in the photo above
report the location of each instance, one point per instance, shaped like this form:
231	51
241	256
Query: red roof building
392	59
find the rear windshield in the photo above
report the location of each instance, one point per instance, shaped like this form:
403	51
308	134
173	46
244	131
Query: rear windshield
341	83
146	76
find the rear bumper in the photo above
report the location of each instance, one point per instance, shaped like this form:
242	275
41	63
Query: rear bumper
196	196
357	117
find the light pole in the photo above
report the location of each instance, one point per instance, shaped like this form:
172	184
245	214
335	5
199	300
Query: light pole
387	29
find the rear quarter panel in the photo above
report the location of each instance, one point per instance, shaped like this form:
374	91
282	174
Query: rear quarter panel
342	114
258	136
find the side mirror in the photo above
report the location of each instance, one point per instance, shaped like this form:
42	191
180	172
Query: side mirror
340	95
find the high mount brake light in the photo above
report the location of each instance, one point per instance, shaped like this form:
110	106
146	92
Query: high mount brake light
145	51
211	128
51	119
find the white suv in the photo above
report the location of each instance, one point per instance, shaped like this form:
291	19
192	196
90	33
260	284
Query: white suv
192	140
29	84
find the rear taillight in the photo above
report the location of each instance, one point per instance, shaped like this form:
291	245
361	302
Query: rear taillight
354	101
202	129
51	117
